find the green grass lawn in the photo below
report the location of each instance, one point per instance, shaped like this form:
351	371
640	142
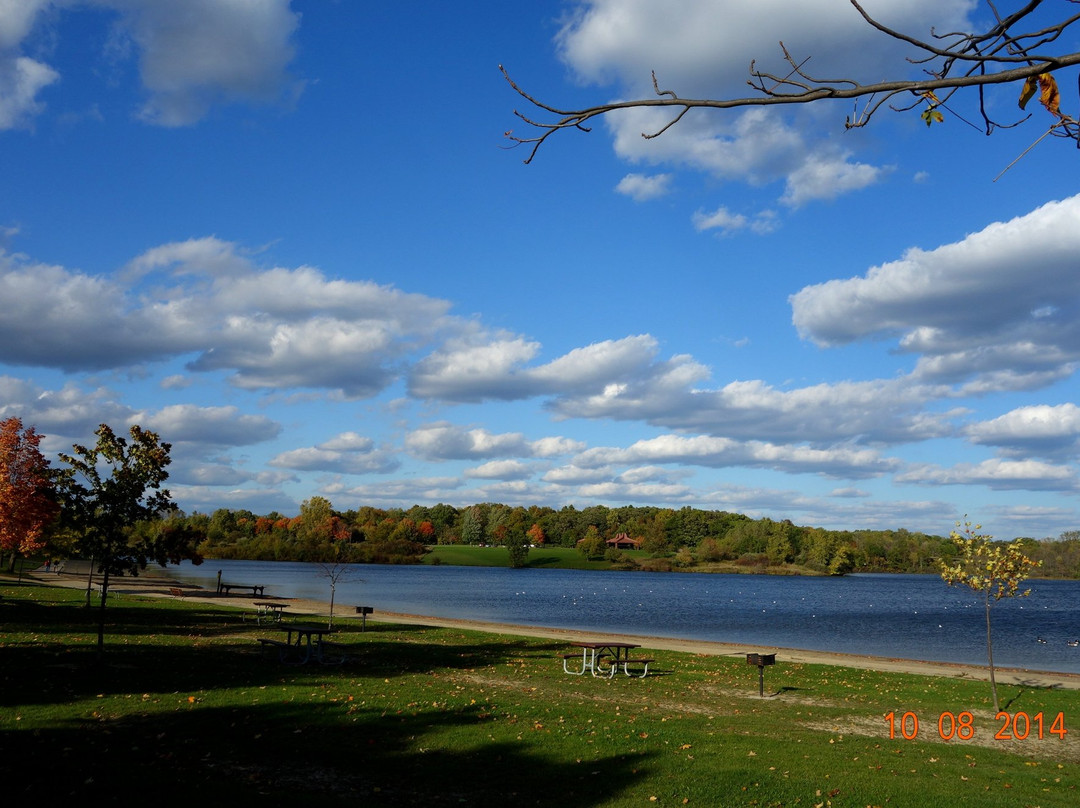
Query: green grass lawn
184	707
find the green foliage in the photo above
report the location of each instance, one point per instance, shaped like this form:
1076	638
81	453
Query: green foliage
112	500
718	540
592	545
517	548
104	507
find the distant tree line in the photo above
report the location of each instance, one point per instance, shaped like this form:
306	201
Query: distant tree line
667	538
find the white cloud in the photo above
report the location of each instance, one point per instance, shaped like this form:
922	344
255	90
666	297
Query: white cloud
222	426
827	176
1037	429
192	54
200	52
573	475
727	222
997	474
702	49
21	79
475	368
642	188
347	453
501	470
272	328
1003	300
698	47
553	447
493	367
701	450
871	412
446	441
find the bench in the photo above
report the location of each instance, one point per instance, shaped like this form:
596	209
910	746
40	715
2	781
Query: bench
284	650
626	663
566	658
256	591
176	591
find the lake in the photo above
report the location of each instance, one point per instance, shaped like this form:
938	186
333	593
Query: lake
904	616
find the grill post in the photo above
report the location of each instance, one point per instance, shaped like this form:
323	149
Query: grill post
761	660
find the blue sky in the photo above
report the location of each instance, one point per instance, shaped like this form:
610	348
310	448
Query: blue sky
291	238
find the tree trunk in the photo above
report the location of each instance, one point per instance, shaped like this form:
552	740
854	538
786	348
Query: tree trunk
101	611
990	655
89	582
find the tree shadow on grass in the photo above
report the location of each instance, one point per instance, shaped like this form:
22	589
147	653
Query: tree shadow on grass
312	753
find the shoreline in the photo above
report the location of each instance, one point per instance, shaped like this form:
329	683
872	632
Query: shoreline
154	583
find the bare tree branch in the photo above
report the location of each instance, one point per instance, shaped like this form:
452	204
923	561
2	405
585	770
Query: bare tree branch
961	60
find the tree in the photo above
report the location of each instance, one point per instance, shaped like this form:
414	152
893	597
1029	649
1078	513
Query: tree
517	547
107	492
993	570
27	502
316	520
592	545
335	572
1015	48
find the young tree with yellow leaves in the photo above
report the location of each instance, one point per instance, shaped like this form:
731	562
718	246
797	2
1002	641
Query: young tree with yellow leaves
994	570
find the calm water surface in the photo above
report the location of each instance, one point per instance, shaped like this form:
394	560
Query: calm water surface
906	616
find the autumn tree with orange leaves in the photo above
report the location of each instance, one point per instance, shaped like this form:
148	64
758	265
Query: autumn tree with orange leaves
27	504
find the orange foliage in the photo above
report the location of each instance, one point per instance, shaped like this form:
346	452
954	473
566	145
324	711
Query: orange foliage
26	503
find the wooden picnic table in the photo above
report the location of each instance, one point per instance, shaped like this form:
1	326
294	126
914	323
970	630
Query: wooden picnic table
308	645
603	658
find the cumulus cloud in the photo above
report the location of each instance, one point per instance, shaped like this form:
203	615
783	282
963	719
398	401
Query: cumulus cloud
827	176
271	328
446	441
192	55
998	474
727	222
701	49
702	46
21	77
202	51
840	461
642	188
1001	301
1041	429
871	412
347	453
219	426
501	470
494	367
60	415
21	80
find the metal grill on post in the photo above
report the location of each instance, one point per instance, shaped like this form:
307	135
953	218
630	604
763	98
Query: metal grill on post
761	660
363	611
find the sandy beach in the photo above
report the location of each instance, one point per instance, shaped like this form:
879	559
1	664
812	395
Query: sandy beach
156	583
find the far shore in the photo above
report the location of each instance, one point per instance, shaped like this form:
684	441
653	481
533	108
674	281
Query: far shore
155	582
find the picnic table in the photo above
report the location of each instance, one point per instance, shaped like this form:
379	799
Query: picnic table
308	645
603	658
269	611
